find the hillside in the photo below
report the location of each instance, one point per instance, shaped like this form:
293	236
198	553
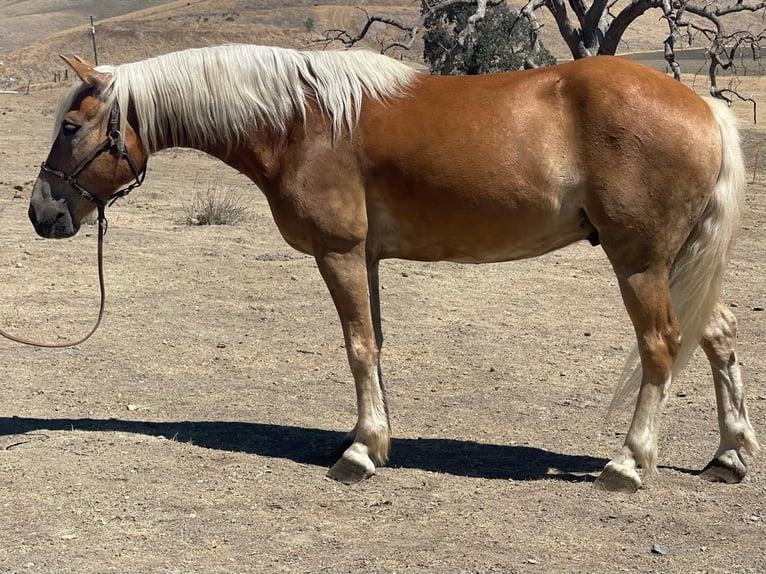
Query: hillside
34	32
157	28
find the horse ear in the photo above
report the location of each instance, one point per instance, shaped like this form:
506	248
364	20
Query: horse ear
86	71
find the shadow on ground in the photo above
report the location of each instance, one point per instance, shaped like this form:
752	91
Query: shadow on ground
318	446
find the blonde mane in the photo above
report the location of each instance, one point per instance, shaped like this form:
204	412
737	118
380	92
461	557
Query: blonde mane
209	95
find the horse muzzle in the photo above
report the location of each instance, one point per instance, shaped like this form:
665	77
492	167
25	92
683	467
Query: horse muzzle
51	217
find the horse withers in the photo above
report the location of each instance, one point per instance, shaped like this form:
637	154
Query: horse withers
362	159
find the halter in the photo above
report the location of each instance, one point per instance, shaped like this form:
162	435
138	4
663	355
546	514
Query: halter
113	140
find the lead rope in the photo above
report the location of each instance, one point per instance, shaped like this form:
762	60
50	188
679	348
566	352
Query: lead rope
102	225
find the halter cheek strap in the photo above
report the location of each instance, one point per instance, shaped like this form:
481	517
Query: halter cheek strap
113	140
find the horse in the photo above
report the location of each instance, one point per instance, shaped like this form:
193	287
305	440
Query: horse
361	158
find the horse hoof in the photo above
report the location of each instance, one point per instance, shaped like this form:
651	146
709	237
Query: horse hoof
353	466
728	467
615	478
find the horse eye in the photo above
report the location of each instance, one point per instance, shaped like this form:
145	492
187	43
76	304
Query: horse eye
69	128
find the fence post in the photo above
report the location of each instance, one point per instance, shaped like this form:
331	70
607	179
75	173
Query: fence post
93	37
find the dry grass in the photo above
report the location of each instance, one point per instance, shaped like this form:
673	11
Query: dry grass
216	205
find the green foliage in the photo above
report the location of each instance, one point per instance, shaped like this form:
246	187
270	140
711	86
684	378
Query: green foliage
500	43
309	24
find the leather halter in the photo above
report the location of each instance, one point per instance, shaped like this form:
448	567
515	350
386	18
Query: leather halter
113	140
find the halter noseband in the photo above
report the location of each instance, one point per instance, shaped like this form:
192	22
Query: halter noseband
113	140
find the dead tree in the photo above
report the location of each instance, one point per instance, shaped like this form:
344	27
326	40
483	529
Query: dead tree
590	27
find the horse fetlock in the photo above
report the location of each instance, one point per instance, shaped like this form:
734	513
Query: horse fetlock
377	442
747	440
639	453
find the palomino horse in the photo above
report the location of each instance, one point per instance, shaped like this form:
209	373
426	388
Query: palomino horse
362	159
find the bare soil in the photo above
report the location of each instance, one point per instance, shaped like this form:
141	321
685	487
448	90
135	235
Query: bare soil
192	432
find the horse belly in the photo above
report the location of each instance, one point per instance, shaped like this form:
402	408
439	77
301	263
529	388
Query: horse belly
473	227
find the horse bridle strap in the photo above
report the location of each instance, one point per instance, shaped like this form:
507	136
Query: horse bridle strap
102	225
113	140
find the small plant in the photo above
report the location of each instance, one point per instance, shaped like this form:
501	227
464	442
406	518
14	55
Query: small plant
214	206
309	24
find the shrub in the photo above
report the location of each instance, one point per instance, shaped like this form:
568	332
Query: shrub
214	206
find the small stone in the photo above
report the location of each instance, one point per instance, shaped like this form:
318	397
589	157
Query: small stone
132	407
659	549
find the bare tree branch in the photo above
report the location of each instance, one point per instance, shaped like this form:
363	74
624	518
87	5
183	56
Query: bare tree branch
529	11
411	31
569	33
595	29
623	21
722	45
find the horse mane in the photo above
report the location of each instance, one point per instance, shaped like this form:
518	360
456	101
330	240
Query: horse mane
208	95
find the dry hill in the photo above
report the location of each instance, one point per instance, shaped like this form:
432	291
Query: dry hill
33	32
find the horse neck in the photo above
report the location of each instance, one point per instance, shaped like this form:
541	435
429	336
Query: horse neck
259	156
257	153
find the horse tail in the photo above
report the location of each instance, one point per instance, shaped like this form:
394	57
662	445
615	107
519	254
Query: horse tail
697	274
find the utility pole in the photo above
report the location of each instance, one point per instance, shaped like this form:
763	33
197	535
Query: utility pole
93	37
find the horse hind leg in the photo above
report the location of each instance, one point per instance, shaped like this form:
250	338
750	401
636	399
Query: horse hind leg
647	299
719	341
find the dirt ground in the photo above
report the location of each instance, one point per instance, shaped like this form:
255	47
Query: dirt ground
192	433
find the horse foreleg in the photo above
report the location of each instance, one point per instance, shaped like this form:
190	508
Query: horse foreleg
347	279
647	299
719	341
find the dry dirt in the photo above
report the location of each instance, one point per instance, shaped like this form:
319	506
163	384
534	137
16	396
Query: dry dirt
192	432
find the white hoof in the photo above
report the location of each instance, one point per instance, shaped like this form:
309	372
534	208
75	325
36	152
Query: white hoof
618	478
353	466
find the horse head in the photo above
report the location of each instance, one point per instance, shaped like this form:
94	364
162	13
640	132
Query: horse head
94	152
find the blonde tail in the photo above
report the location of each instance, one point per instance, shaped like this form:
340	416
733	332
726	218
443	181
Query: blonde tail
697	274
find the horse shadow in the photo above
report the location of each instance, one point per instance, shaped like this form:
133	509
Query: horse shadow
319	447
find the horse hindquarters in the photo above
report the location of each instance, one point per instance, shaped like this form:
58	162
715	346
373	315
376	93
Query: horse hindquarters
672	307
